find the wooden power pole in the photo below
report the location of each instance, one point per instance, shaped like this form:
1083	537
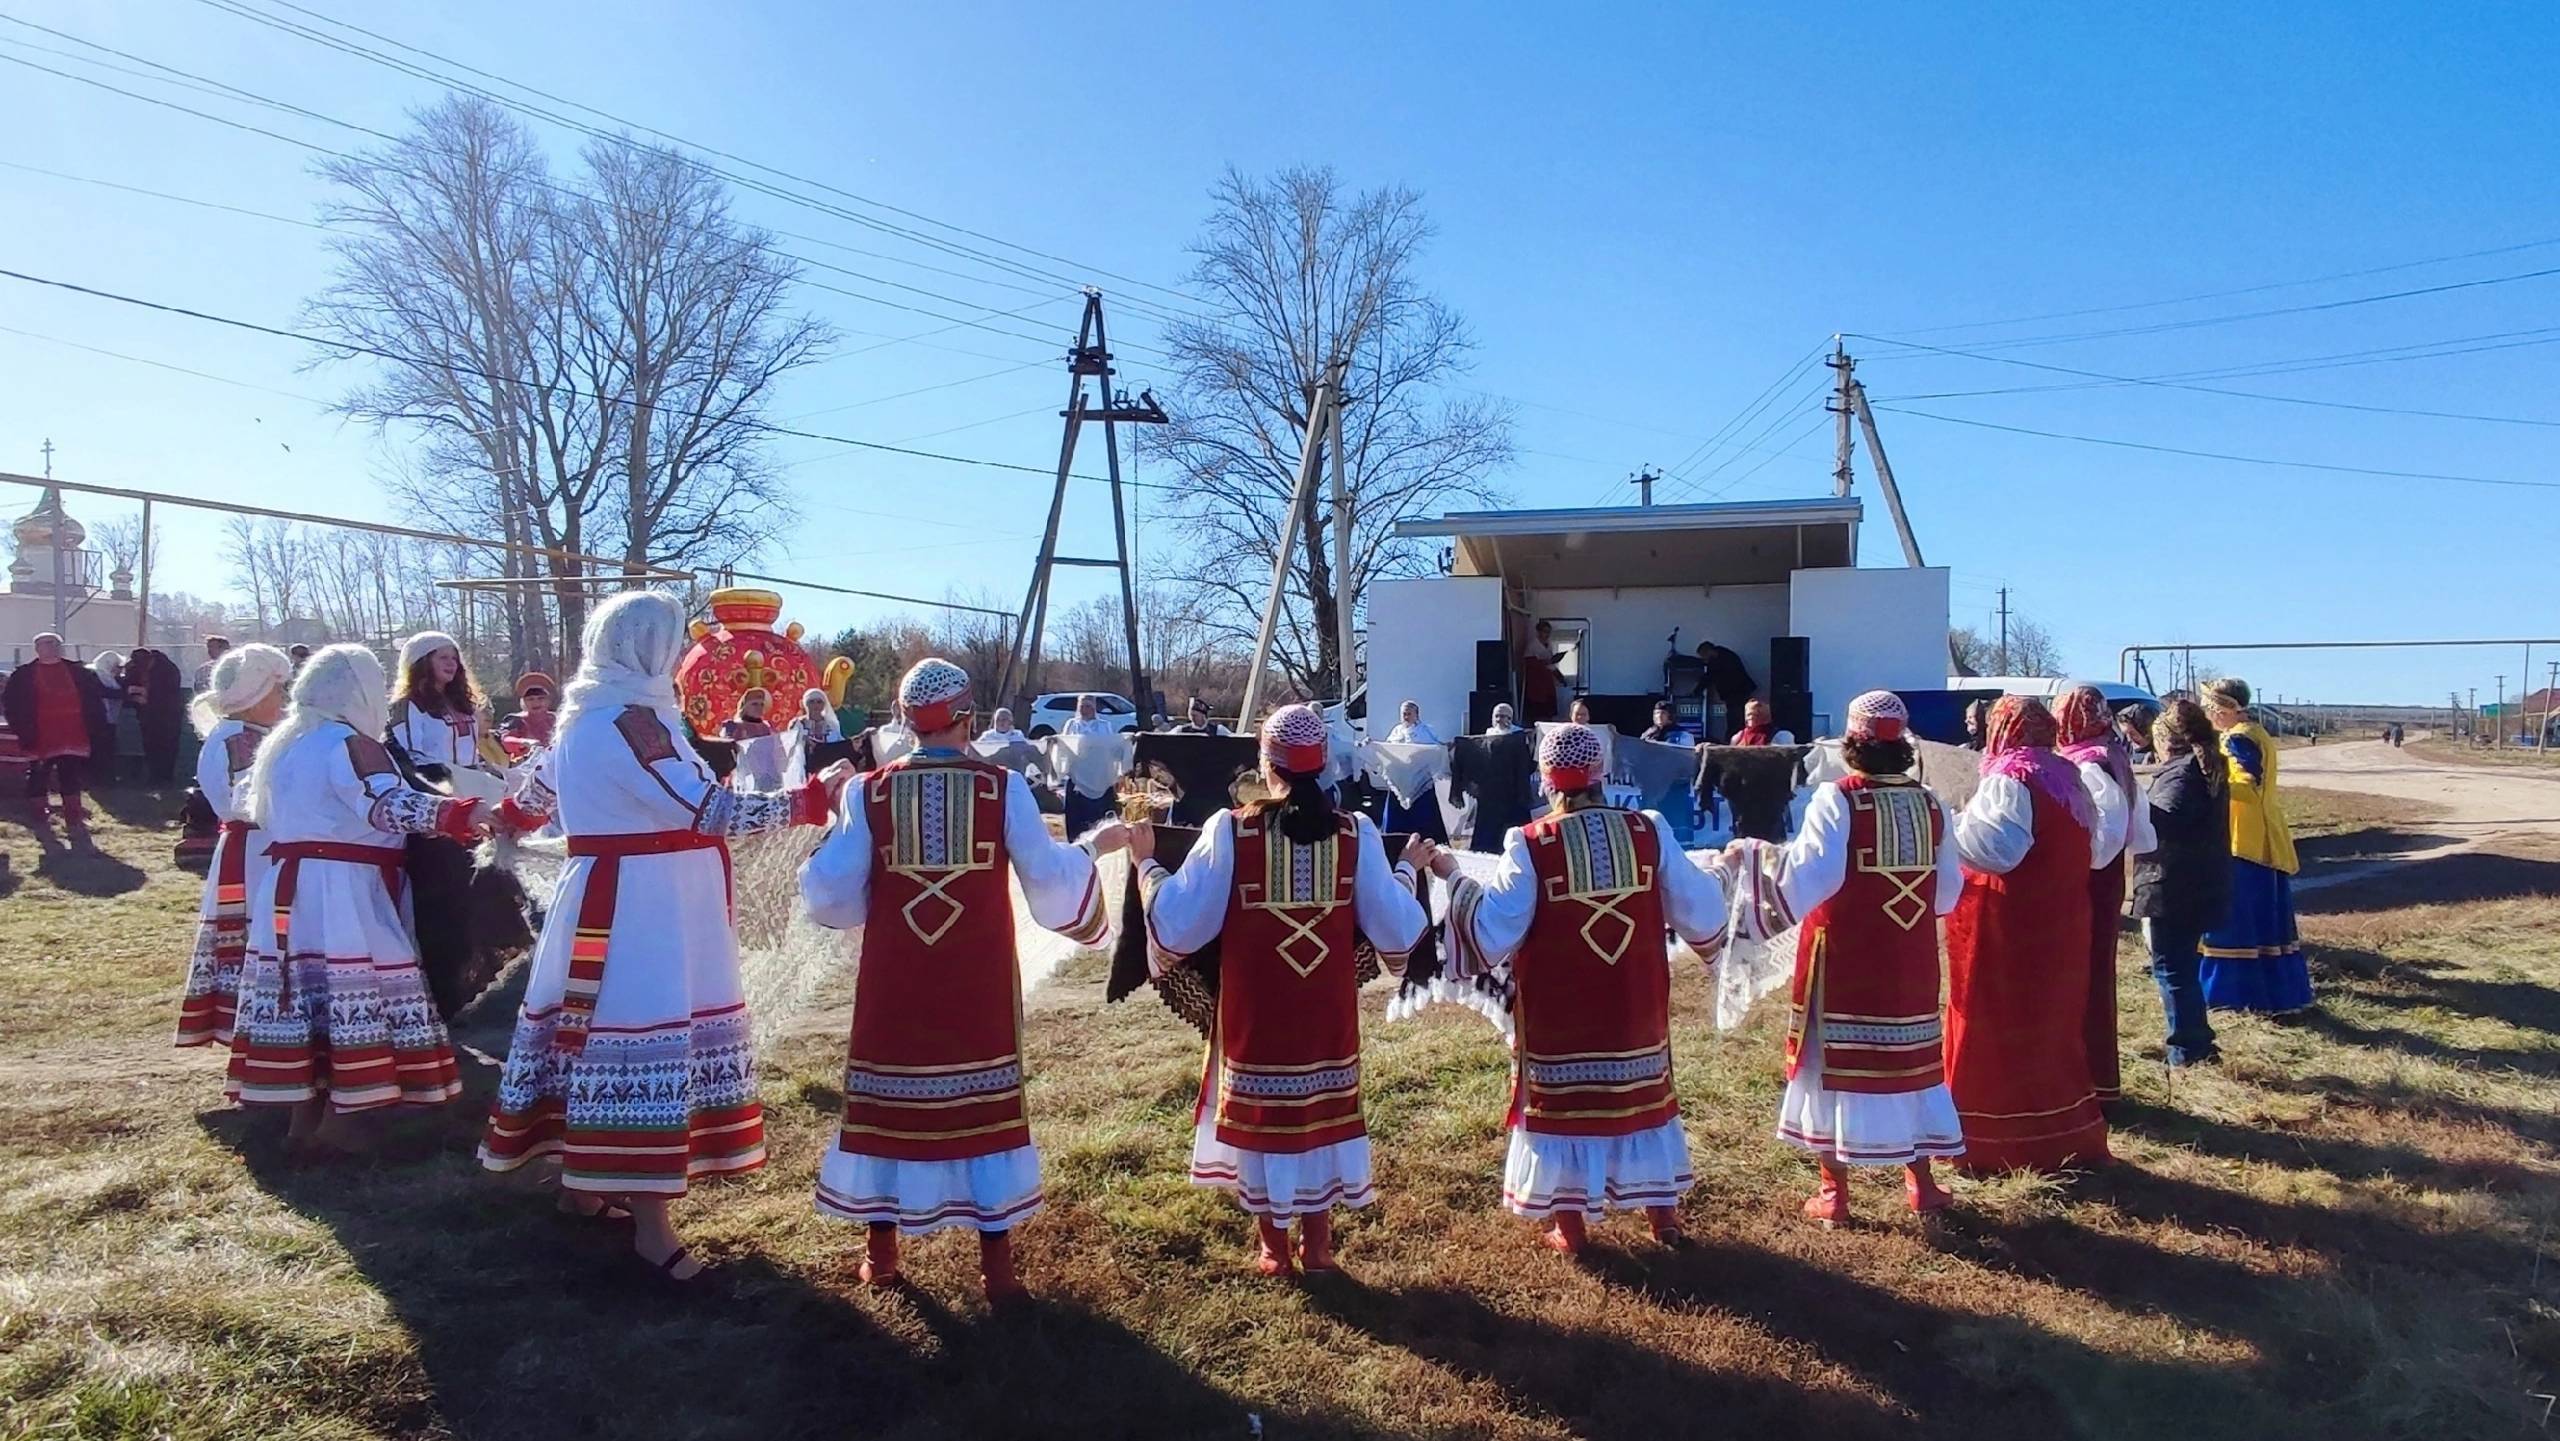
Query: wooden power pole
1320	422
1089	360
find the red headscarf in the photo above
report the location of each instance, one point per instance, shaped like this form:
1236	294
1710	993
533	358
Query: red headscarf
2018	743
2089	735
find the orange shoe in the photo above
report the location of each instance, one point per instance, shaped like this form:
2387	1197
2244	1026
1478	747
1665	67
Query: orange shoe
1830	1205
880	1255
1315	1241
1272	1256
1923	1190
995	1268
1566	1233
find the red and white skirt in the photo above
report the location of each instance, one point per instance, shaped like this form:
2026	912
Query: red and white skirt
1592	1175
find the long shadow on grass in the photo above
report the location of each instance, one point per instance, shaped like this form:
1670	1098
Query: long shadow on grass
2444	880
527	1323
2347	1159
2533	1125
2535	1060
2412	984
1600	1384
86	872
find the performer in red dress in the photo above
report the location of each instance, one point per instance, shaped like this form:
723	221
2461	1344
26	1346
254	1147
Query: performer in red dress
1287	881
1581	905
1869	873
2089	741
2017	951
934	1131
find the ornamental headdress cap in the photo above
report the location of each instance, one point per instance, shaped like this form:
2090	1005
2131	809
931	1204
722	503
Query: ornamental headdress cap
1569	756
1878	715
935	693
1295	739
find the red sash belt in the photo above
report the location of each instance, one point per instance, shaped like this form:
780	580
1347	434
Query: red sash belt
231	893
289	856
595	917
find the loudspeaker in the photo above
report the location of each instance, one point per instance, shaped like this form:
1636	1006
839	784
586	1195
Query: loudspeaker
1493	666
1792	711
1790	665
1480	704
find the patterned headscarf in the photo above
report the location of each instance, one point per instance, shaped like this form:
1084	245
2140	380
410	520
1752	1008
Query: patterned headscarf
935	693
2089	735
1295	739
1878	715
2018	743
1570	756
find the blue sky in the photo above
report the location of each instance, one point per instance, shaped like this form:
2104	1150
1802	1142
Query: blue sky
1647	215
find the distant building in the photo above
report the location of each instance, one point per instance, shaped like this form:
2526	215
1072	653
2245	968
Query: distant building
56	583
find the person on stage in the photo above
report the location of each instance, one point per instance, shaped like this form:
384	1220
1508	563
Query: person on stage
1866	877
633	1060
2253	960
1084	810
1760	726
1288	882
243	699
1581	904
2105	762
2017	955
1196	721
934	1132
1666	728
335	1018
534	724
57	711
1410	729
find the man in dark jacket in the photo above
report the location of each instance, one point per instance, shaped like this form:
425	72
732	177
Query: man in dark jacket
2182	885
158	695
1729	681
58	712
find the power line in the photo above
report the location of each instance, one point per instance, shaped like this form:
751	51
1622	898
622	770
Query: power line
2220	455
252	97
2338	360
763	187
2241	290
759	426
674	139
165	195
1694	483
2237	394
1743	416
2314	308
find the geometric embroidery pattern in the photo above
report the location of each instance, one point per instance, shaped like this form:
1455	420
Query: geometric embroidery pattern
933	839
1905	853
1647	1066
1300	886
1602	873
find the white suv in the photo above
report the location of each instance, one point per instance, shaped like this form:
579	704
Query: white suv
1050	713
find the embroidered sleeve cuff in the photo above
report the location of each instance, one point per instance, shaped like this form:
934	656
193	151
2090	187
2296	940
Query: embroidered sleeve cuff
454	820
1463	957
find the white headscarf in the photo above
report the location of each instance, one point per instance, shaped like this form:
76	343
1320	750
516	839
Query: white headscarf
339	685
240	680
826	729
109	666
631	647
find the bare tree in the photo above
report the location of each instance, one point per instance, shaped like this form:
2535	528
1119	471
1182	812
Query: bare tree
272	563
586	366
2032	651
121	539
1298	273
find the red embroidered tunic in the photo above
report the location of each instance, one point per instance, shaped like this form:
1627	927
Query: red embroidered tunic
1594	980
1867	957
934	1069
1285	1073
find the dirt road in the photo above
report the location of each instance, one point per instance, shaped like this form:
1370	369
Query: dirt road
2480	802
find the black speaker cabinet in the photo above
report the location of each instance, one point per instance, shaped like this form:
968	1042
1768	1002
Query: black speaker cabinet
1790	665
1493	666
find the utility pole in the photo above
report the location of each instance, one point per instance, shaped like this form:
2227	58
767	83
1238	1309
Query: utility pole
2004	630
2473	712
1090	359
1310	453
1841	407
1644	480
2500	739
2550	706
1345	591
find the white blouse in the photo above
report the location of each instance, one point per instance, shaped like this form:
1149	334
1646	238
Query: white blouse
1998	826
1187	908
1057	879
217	778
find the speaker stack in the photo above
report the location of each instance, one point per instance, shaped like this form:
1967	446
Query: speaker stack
1791	685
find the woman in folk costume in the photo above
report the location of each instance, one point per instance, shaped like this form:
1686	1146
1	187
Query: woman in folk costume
2089	741
2253	960
2017	954
244	697
633	1059
1580	905
1867	876
334	1016
434	720
533	725
1288	882
934	1132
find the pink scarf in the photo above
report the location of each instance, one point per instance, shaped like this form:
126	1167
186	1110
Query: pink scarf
2018	743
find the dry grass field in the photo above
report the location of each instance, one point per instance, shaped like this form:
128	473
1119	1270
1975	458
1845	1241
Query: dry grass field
2341	1232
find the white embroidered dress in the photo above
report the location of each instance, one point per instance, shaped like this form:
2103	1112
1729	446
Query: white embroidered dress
662	1088
213	971
1543	1174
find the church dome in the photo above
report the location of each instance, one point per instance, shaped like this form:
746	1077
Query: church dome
35	529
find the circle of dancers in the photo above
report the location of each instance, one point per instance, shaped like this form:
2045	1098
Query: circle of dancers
632	1069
